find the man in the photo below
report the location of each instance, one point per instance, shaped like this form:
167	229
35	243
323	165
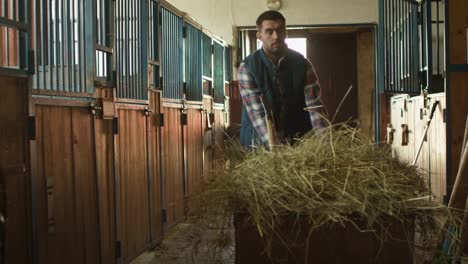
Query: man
278	86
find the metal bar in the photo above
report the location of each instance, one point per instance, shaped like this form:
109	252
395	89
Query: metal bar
438	37
57	43
89	39
144	49
393	49
102	23
72	48
80	46
63	37
70	44
429	46
118	45
23	36
126	88
415	48
50	45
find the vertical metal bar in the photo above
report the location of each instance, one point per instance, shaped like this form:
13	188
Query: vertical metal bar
138	47
90	39
438	37
415	47
50	44
393	45
70	44
127	55
41	74
119	54
72	47
384	37
144	49
57	44
102	22
64	35
429	47
132	49
403	45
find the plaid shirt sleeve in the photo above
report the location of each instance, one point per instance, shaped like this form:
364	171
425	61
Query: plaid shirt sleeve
250	94
312	99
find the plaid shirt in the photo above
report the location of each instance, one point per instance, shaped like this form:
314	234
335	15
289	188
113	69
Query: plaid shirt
251	94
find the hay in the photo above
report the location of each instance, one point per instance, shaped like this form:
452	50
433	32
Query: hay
335	177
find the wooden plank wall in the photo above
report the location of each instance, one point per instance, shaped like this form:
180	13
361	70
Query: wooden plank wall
173	165
65	184
104	144
14	171
219	128
432	158
133	181
437	153
154	146
365	81
457	81
194	145
399	117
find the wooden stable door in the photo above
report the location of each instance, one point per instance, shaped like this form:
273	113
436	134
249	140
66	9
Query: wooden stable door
14	172
65	200
134	181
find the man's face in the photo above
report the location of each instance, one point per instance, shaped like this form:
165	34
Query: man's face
272	35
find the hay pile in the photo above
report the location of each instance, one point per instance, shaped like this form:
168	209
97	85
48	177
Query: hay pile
336	177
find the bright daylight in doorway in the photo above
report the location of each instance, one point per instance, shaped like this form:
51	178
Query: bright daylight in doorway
297	44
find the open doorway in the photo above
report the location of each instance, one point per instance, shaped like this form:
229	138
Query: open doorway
342	56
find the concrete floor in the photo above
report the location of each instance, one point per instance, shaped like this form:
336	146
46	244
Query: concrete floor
177	248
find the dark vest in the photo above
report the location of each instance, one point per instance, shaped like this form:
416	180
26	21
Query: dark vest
288	103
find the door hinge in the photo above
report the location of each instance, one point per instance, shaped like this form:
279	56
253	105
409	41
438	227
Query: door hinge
31	127
118	249
444	115
164	216
115	125
161	119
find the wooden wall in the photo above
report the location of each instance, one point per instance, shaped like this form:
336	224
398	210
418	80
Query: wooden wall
133	209
457	79
14	171
155	172
414	112
193	140
173	164
365	81
65	183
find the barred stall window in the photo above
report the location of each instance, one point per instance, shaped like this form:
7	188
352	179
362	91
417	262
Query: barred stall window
153	48
172	57
411	44
207	64
14	36
218	80
64	46
193	63
129	42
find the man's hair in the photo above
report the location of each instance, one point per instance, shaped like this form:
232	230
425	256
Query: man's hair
269	15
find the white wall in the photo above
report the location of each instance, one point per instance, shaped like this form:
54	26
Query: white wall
220	16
